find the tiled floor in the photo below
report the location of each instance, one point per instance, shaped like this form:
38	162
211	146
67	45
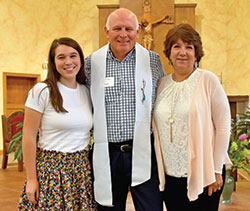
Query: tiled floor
11	184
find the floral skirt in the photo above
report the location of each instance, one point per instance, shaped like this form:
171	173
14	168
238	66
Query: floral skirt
64	182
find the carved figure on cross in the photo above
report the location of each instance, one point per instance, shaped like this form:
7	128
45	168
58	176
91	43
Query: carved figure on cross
147	28
147	25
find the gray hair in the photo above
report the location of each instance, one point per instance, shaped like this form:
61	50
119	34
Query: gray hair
120	9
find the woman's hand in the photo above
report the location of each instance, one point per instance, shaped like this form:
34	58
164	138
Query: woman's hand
216	185
32	191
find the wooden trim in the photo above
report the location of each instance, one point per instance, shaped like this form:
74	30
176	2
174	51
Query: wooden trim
185	5
108	6
14	105
26	75
238	98
4	91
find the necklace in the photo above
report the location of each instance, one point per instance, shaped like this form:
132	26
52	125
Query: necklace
171	122
175	96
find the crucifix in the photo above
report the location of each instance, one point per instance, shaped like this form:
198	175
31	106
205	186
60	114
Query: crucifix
147	25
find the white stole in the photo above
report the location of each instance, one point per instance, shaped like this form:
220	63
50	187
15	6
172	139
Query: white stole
141	163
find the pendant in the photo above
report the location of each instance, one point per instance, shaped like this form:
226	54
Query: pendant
171	122
142	89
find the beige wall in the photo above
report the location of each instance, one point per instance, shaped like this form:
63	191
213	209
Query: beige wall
28	27
224	29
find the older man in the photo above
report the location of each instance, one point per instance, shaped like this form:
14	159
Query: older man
123	77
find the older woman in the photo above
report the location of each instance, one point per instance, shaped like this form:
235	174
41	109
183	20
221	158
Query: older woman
192	125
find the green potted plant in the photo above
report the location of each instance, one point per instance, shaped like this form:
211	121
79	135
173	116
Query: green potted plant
16	141
239	146
238	151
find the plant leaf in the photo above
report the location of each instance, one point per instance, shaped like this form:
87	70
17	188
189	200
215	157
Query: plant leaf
11	146
17	135
18	153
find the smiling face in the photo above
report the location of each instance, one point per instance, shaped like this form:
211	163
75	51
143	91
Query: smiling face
68	63
183	57
122	33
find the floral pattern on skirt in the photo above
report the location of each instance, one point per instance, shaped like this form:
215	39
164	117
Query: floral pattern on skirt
64	182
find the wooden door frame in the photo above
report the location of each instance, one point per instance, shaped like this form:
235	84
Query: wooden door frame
11	74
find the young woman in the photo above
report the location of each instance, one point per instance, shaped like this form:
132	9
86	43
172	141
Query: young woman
59	108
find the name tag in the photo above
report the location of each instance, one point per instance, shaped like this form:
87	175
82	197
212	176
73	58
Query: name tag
109	82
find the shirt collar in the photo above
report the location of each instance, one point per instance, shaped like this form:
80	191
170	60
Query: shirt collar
130	55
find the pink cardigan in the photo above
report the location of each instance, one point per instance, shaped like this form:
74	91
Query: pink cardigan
209	133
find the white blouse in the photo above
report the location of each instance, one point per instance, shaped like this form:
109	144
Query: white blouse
175	99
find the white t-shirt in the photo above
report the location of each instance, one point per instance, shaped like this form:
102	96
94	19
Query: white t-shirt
64	132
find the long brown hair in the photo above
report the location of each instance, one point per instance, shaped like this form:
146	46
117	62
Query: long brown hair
53	76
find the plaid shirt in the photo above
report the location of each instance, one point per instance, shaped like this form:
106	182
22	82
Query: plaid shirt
120	99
